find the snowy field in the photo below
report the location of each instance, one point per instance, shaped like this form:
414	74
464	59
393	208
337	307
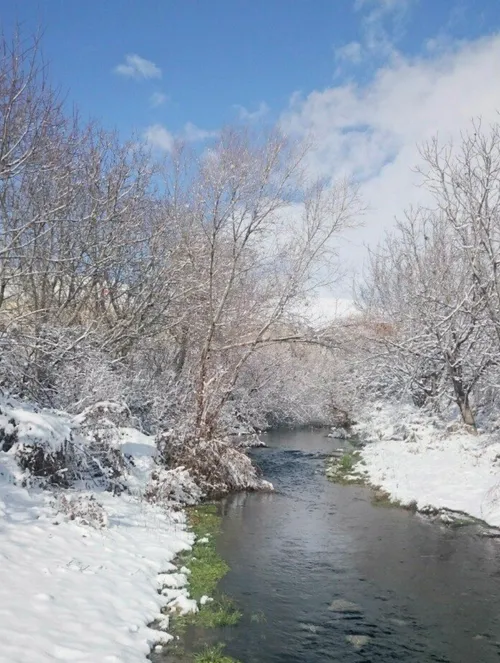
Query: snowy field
70	591
416	458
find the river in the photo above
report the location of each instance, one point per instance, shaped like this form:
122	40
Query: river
322	575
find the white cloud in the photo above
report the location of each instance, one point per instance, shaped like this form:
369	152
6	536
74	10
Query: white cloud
371	131
157	99
251	116
351	52
383	6
159	138
138	68
383	24
192	134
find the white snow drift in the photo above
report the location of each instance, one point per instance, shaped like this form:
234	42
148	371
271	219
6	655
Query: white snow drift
80	593
414	457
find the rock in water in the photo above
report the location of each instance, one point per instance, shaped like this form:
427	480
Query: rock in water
341	605
358	641
311	628
398	622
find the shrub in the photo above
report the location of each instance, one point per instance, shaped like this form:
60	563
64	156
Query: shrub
94	463
215	465
85	510
8	436
172	487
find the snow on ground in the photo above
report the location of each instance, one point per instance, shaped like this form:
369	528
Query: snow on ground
415	458
70	592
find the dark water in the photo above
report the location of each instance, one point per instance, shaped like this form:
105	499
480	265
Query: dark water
421	592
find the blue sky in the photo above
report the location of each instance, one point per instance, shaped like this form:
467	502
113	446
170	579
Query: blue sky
216	54
368	80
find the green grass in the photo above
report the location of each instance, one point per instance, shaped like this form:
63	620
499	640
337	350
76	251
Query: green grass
457	523
207	569
346	463
343	469
383	499
204	562
204	519
214	654
215	614
220	612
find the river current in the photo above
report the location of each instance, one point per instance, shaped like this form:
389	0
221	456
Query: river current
323	575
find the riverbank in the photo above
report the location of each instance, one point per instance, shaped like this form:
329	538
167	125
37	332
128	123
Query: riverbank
418	460
200	633
83	594
85	572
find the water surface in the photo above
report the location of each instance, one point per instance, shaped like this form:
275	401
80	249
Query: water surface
418	591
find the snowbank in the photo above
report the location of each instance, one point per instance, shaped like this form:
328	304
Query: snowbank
415	457
74	592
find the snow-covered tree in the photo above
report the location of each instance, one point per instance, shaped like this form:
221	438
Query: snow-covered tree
435	281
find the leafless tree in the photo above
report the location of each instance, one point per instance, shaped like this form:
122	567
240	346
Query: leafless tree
435	279
256	237
161	283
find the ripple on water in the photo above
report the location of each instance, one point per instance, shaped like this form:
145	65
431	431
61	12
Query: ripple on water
401	589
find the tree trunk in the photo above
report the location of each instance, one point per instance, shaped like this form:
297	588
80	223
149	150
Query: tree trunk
462	400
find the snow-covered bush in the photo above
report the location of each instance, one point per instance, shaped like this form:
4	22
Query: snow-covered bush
43	465
105	414
285	385
57	366
54	449
83	509
216	466
401	422
173	487
68	369
8	435
90	462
